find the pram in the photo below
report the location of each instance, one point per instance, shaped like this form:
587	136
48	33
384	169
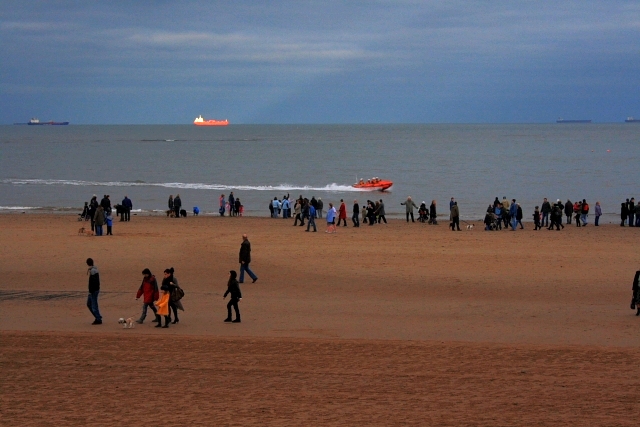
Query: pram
423	213
491	222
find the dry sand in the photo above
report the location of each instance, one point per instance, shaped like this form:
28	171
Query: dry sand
396	324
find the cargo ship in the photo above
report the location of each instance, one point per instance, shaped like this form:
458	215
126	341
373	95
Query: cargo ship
199	121
35	122
632	120
561	120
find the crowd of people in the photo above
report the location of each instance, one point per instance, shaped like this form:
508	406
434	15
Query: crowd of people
499	214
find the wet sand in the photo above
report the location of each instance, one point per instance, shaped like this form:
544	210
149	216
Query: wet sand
397	324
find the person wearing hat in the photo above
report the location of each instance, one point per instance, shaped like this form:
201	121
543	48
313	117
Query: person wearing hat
148	288
162	305
233	288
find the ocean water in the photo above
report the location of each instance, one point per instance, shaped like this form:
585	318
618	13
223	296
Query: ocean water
58	168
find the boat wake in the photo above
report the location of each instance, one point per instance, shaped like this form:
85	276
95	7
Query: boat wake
183	185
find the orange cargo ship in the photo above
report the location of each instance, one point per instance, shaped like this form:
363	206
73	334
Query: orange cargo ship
373	184
199	121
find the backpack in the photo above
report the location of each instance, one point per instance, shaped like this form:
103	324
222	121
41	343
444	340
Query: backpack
177	294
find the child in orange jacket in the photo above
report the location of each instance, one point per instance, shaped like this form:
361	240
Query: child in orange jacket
163	306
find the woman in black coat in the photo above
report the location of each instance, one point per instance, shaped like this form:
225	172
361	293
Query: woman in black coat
233	288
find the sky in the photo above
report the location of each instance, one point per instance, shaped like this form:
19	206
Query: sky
297	62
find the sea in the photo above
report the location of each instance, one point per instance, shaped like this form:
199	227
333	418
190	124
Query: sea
58	168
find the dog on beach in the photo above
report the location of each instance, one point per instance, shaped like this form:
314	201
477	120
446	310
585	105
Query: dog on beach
171	214
128	322
84	232
470	227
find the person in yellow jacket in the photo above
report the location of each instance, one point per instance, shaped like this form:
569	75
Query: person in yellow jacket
163	306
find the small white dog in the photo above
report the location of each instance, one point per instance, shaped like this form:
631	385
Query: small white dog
470	227
128	323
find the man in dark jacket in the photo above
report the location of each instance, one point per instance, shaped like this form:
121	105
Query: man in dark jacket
546	210
94	290
127	205
355	216
232	204
233	288
568	211
177	204
631	207
245	259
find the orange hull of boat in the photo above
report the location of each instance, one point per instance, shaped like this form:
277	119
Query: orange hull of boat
380	185
212	123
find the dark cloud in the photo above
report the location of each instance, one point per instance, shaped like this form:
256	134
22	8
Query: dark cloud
298	61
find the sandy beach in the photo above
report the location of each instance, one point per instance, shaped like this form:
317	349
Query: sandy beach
391	324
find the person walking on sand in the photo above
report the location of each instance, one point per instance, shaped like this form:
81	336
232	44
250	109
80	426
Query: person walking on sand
162	307
454	217
409	205
355	214
233	288
598	213
170	203
636	292
232	201
519	216
342	213
245	259
632	211
536	219
171	281
331	219
311	218
94	291
319	206
148	289
381	213
99	219
276	209
546	210
433	215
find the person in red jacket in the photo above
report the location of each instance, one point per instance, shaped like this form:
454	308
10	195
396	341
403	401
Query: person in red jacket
148	288
342	213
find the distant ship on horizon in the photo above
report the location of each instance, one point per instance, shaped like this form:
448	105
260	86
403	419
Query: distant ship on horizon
632	120
36	122
199	121
561	120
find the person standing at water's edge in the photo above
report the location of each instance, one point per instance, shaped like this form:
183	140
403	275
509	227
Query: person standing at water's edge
331	219
598	213
245	259
454	216
409	205
342	213
233	288
127	205
177	204
94	290
355	216
311	218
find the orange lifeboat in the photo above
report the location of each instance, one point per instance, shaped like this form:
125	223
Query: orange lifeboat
199	121
373	184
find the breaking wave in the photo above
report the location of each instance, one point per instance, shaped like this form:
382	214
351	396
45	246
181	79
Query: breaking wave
183	185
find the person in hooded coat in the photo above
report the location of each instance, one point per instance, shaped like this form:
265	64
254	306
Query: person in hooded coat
233	288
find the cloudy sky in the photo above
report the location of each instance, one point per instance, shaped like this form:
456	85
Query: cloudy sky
319	61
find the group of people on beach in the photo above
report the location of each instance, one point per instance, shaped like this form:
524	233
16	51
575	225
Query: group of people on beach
629	211
232	206
167	298
100	214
